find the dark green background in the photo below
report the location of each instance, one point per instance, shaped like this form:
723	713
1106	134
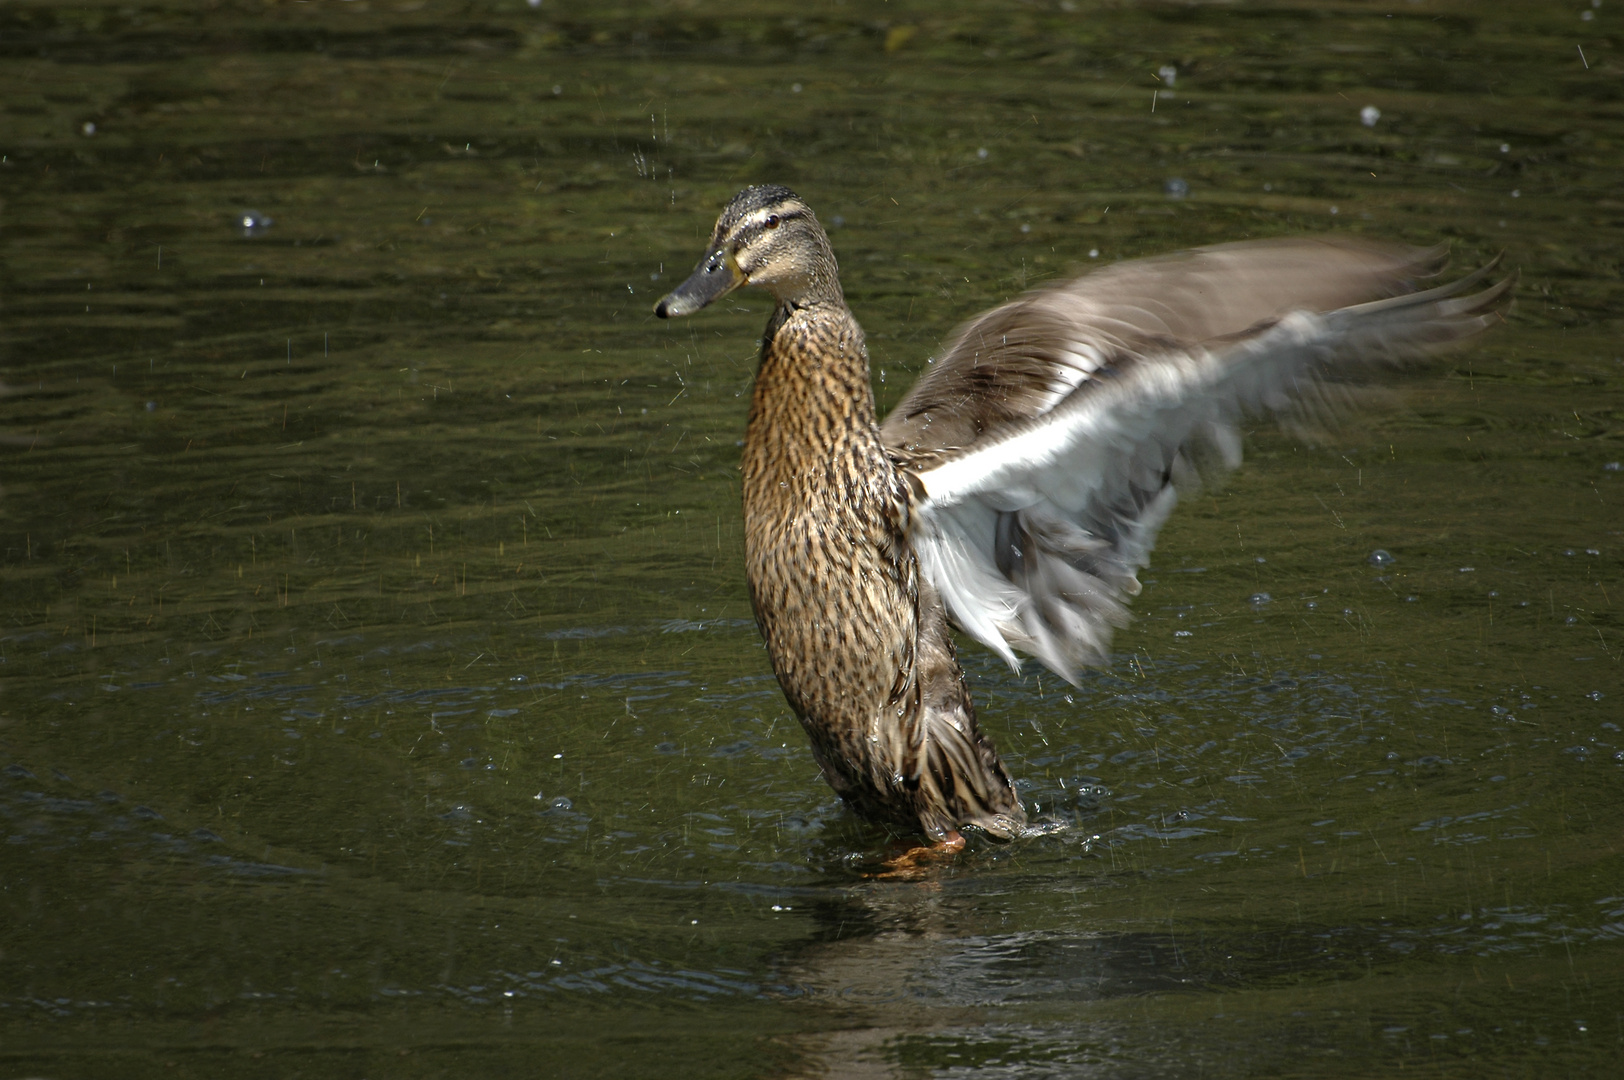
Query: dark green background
379	694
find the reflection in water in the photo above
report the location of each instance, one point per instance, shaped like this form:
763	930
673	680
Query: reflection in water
925	981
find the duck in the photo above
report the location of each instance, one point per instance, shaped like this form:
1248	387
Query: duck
1015	491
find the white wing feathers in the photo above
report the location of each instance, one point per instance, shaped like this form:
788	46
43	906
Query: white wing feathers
1034	534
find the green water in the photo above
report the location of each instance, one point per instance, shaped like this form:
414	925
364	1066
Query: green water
379	693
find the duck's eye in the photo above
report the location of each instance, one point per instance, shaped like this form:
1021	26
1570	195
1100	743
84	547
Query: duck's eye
772	221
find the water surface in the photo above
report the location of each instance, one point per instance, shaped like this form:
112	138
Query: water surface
380	695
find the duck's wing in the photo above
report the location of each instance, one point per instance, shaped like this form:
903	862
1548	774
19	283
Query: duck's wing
1049	441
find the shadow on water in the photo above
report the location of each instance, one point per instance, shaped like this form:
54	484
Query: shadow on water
378	689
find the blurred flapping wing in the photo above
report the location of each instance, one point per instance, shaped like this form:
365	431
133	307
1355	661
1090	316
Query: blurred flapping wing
1051	438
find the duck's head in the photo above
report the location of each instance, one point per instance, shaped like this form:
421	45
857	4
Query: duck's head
765	237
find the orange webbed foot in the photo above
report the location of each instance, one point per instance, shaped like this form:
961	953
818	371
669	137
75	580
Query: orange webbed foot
916	862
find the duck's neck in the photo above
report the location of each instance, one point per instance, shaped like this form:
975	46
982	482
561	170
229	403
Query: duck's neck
813	403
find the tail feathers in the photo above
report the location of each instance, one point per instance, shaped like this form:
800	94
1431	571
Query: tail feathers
961	781
964	783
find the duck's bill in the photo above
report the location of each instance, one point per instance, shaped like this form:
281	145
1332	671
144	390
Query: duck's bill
714	277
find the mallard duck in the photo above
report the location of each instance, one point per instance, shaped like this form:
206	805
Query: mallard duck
1016	490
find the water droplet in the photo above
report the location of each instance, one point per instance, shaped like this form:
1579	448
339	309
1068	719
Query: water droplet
1369	115
252	222
1380	557
562	802
1258	599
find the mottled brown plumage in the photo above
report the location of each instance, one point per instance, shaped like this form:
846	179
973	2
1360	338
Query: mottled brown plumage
865	660
1016	489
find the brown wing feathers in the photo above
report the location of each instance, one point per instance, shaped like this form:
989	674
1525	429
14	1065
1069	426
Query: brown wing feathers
1007	364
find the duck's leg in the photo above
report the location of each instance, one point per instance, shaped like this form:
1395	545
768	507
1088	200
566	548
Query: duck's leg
915	862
